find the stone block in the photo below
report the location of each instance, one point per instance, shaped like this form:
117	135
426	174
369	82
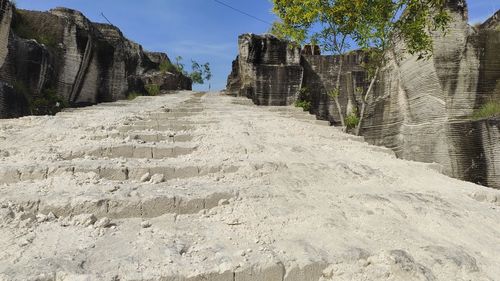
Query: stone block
142	152
167	172
116	174
155	207
179	151
125	151
226	276
274	272
9	175
136	173
162	152
206	170
124	209
189	205
310	272
186	172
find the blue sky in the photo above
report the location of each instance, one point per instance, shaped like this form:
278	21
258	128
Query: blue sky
202	30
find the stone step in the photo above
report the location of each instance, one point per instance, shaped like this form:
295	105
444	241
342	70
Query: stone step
135	151
170	121
116	201
147	137
161	128
299	116
155	115
9	175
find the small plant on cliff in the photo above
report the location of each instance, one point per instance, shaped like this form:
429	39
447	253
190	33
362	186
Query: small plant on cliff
200	73
352	120
48	102
152	89
132	95
306	105
488	110
166	66
303	99
28	30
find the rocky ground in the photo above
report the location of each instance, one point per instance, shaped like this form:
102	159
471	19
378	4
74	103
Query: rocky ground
209	187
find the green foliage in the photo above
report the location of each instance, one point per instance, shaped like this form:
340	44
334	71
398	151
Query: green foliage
21	89
288	32
200	73
152	89
180	66
303	99
370	24
488	110
306	105
133	95
166	66
335	93
47	103
352	120
26	30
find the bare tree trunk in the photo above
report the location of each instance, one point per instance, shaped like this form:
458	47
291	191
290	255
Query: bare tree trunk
363	106
336	98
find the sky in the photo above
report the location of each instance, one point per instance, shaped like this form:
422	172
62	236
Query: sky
202	30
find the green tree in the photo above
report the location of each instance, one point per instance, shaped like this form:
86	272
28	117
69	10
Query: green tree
374	25
200	73
386	22
320	22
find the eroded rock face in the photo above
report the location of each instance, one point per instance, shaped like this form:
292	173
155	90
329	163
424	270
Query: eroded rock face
320	77
60	52
422	109
267	70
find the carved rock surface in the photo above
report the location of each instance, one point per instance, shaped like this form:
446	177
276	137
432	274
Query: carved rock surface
421	109
267	70
60	52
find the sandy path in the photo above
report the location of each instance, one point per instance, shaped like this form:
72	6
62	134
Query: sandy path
191	187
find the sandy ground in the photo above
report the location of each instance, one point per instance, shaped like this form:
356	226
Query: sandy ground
192	187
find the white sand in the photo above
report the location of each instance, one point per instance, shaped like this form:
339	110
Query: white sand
259	194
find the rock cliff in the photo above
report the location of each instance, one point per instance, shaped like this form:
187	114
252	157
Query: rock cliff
267	70
60	58
422	109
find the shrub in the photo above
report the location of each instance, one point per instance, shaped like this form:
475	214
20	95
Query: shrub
49	102
153	89
132	95
352	120
21	89
166	66
306	105
303	99
488	110
333	94
26	30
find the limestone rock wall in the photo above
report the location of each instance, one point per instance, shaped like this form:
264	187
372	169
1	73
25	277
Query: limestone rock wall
320	77
267	70
62	53
421	109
